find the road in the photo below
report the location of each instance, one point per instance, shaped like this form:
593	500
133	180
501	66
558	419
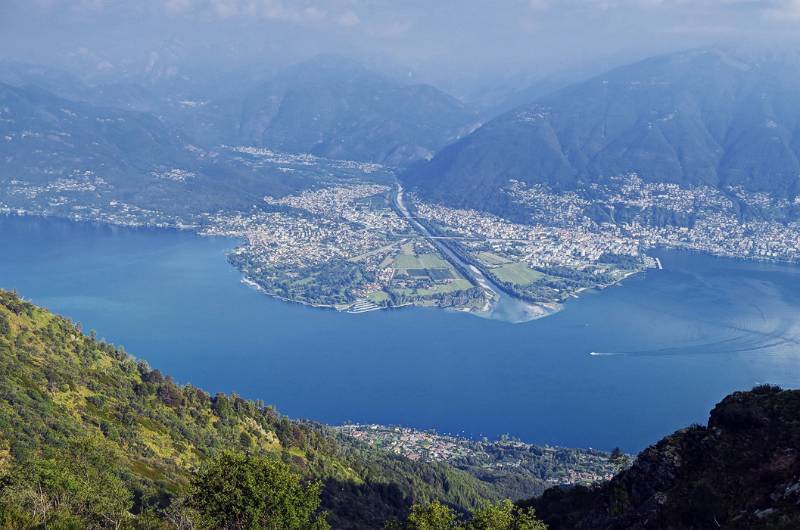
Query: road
504	306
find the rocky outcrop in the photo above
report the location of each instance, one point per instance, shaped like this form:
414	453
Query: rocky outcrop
742	470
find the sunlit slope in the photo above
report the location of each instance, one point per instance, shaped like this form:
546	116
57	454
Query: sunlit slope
64	393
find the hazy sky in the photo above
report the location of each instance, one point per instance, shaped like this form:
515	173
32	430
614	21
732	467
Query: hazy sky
446	42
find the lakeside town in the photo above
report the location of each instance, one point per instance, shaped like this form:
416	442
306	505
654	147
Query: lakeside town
340	243
341	247
731	222
552	465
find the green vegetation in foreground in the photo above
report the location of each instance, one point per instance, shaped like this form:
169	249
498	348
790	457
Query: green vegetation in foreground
92	438
517	273
500	516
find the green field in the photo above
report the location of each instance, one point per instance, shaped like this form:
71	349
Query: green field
423	261
451	287
491	259
377	297
517	273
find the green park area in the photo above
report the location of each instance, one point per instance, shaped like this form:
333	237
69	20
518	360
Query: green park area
378	297
422	261
491	259
517	273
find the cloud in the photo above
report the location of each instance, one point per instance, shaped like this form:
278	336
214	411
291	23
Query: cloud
608	5
782	10
296	11
177	6
349	19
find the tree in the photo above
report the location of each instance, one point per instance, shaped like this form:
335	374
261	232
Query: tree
240	492
74	487
505	516
432	516
619	459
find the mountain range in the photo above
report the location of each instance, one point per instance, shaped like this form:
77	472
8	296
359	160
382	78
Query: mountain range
334	107
712	117
328	106
98	154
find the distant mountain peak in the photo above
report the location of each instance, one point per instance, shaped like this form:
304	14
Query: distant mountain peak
335	107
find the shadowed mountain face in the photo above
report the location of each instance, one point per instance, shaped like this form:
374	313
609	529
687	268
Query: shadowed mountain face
741	471
335	108
702	117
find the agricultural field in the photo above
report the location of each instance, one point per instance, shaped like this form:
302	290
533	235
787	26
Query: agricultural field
491	259
378	297
406	261
423	276
517	273
456	285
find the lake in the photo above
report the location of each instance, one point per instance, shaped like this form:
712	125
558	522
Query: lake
621	367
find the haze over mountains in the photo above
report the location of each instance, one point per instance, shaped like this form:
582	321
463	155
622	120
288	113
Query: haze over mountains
48	143
37	123
706	117
336	108
511	161
717	117
328	106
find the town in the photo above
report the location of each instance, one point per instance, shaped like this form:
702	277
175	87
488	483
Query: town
341	247
552	465
340	243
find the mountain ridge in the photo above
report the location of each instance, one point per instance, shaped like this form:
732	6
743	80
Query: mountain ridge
335	107
703	117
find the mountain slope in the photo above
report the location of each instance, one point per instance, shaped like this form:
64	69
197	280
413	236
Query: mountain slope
741	471
64	395
712	117
35	123
68	400
334	107
47	141
71	157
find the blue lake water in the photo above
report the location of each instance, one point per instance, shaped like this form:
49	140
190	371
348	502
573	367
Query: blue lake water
671	343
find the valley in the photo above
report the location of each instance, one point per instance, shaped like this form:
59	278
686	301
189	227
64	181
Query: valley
324	264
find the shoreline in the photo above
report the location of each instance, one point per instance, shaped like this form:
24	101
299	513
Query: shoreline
531	310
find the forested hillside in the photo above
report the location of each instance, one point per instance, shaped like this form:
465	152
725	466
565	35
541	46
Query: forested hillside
89	160
90	432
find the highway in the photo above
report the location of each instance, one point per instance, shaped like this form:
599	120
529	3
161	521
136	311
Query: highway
505	306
